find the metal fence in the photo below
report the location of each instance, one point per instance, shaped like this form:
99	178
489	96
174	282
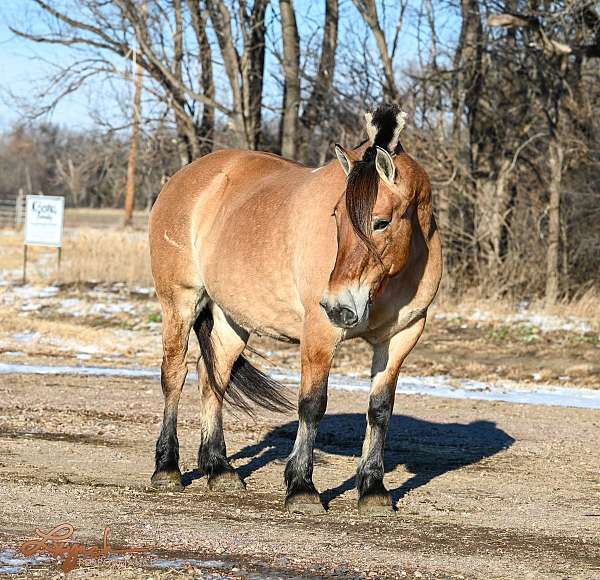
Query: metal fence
12	210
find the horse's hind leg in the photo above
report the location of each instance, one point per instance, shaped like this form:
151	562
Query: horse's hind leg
179	312
221	344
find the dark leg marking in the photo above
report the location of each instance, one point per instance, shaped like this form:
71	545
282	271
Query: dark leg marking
173	372
213	462
302	496
166	473
374	498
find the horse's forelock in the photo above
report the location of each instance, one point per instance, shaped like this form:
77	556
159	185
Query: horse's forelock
361	195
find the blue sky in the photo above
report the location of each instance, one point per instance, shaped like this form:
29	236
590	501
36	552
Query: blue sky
24	65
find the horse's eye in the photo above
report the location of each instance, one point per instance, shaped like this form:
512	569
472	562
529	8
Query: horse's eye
380	225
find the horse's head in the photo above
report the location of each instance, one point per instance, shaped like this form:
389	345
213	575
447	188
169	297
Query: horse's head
375	218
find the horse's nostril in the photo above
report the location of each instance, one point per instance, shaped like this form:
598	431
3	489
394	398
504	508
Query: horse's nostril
348	317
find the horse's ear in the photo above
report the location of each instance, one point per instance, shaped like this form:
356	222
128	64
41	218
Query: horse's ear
385	165
346	158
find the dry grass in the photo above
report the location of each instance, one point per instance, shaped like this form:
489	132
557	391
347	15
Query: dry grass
95	249
11	250
92	256
109	254
583	307
586	305
83	217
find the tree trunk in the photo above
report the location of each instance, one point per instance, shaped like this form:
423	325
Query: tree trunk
368	10
498	216
206	129
245	72
555	162
318	104
253	66
221	21
135	137
291	77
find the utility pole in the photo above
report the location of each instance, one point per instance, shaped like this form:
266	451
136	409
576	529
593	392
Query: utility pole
135	137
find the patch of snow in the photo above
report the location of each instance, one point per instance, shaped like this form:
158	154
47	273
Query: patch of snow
28	291
71	345
112	308
31	307
49	291
143	290
6	368
440	386
545	322
69	303
185	562
12	562
26	336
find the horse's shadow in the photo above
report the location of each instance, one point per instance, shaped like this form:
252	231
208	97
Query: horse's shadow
425	448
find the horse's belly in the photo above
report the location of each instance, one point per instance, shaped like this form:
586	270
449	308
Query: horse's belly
261	314
256	295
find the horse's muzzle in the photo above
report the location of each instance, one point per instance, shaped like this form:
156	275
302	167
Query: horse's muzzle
340	315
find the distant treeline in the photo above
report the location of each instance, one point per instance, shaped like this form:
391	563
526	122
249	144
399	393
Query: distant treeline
503	100
89	168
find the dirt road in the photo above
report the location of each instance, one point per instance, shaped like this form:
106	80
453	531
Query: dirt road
484	490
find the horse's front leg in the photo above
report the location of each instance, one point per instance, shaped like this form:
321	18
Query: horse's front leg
374	499
317	350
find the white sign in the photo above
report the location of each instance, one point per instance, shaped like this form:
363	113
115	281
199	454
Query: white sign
44	220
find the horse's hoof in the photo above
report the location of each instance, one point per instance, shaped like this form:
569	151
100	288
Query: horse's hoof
167	481
377	505
305	503
226	481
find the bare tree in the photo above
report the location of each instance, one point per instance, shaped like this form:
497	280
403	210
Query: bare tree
133	148
368	10
291	79
206	129
245	70
115	28
555	36
319	102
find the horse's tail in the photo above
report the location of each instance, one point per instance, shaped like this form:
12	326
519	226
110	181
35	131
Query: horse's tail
247	384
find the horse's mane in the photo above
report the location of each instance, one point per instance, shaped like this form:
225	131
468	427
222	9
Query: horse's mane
383	128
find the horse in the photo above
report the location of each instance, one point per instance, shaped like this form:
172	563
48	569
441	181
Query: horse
245	242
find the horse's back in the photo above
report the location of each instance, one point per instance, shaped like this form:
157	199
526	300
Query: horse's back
216	173
225	219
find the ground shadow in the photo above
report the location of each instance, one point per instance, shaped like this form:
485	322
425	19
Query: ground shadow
425	448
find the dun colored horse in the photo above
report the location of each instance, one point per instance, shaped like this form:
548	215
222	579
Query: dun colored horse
245	242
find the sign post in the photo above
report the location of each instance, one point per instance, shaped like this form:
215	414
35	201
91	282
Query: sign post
43	224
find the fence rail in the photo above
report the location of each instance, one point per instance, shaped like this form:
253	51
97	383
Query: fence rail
12	210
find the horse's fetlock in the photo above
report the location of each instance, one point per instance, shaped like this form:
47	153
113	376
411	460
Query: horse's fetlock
298	477
369	480
212	462
380	408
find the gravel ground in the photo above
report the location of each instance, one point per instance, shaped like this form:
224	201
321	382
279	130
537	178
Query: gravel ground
483	489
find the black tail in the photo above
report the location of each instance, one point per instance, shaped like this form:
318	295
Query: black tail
247	384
